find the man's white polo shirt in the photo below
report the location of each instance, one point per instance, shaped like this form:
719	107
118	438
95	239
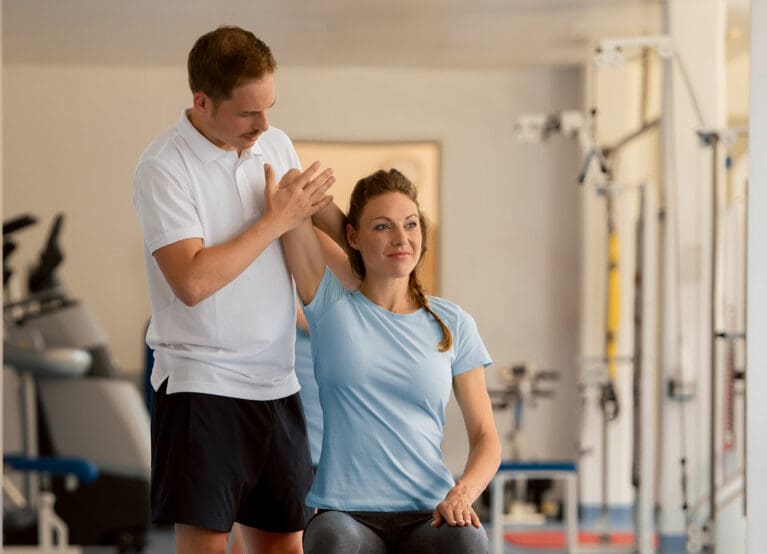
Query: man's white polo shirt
240	341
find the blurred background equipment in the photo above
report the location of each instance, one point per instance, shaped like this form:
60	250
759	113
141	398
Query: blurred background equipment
60	375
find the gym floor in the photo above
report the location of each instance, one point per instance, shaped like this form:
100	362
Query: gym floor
160	541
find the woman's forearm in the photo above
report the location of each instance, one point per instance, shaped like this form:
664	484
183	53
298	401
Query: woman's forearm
481	465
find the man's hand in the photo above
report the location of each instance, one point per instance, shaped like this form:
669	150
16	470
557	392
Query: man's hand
456	510
297	196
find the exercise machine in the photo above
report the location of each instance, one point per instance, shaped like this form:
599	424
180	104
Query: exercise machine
29	510
96	416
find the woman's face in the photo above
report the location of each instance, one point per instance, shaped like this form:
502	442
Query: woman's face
389	236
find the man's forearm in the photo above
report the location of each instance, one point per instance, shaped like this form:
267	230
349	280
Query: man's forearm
195	272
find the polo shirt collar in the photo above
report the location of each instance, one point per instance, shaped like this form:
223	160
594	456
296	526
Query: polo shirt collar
205	150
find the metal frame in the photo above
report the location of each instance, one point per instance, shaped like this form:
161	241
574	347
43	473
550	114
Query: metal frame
570	478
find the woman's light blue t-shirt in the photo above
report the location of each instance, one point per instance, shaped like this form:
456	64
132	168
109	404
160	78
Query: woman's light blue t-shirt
310	396
384	387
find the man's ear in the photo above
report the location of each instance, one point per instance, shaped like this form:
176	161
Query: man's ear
201	102
351	236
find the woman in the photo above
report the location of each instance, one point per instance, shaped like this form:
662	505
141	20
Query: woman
385	358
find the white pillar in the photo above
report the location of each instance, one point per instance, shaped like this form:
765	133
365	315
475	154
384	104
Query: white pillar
757	286
697	30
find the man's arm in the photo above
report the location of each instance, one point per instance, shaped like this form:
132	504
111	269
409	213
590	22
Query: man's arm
195	272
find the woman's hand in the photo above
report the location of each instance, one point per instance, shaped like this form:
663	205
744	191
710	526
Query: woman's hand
456	510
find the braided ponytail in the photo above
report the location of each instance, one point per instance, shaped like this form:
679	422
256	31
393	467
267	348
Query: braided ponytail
417	291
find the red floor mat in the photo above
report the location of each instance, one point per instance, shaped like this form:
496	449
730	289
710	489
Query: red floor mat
556	539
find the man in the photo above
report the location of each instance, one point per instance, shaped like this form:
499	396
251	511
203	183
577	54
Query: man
228	434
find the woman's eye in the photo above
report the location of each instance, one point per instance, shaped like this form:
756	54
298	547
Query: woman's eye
381	227
411	224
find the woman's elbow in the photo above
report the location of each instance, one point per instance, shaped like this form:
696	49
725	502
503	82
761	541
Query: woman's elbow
498	457
496	449
493	447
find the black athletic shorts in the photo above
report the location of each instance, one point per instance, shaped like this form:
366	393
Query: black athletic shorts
217	460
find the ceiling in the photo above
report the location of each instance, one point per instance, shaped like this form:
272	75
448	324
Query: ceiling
418	33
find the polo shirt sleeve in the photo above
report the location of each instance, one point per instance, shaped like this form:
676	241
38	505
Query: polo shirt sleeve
470	351
166	210
293	160
329	291
285	151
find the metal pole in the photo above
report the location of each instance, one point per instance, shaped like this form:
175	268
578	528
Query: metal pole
604	526
714	144
649	372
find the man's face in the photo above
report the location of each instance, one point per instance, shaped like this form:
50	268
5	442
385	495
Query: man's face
236	123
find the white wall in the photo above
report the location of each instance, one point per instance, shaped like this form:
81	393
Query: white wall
757	286
509	244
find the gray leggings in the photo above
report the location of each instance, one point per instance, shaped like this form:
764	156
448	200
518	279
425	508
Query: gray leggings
389	533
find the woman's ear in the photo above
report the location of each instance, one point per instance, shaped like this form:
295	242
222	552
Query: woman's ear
351	236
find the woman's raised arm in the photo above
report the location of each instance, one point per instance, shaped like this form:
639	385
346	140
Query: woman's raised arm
303	252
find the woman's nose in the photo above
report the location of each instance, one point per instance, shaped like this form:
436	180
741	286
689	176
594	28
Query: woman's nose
399	236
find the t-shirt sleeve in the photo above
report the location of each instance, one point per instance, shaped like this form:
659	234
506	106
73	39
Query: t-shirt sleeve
470	351
166	210
328	292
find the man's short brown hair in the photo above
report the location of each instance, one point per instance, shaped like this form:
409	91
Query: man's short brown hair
223	59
